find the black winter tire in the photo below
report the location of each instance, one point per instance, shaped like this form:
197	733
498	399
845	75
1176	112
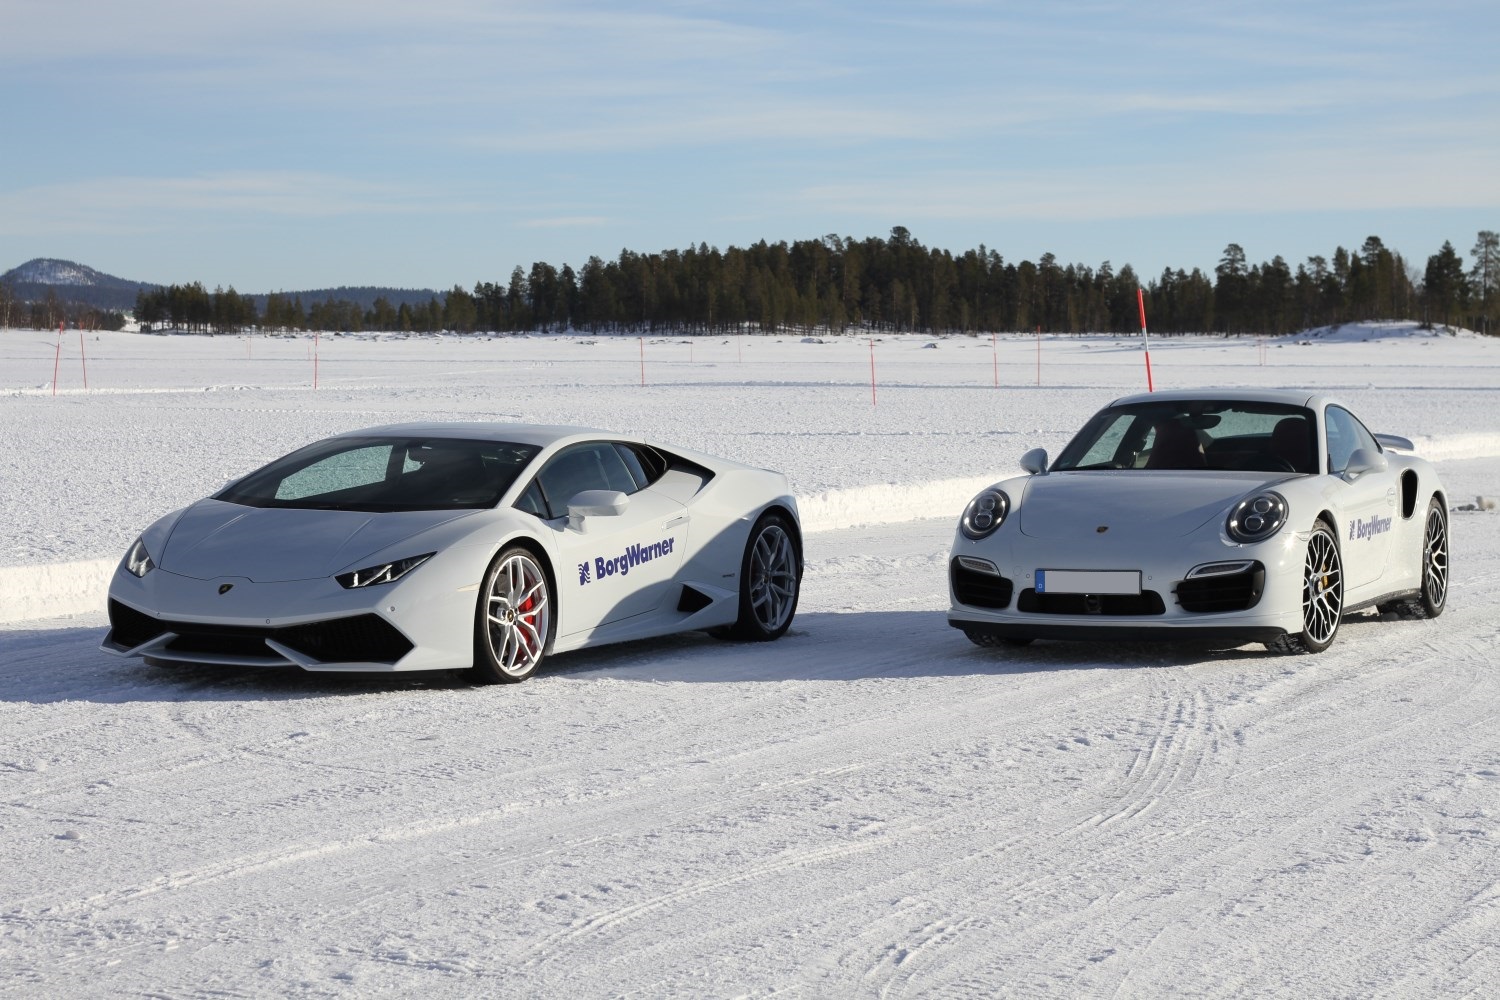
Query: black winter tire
770	581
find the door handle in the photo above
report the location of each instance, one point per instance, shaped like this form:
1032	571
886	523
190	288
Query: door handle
675	521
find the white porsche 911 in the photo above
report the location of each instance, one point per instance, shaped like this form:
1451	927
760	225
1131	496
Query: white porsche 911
1230	515
482	547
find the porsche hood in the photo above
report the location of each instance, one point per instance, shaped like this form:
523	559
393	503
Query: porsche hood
1152	504
214	539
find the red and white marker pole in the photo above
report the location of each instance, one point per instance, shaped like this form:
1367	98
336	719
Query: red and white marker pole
83	358
1140	298
642	341
995	359
57	358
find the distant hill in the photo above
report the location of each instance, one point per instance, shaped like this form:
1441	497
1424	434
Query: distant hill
71	282
78	283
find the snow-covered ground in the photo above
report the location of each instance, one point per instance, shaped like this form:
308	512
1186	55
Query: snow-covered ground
868	807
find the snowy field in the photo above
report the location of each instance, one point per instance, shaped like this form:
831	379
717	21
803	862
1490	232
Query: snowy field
869	807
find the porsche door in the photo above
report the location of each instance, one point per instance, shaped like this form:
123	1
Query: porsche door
1368	500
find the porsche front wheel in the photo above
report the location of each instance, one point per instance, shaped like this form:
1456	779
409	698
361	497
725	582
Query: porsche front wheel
513	623
1322	595
770	577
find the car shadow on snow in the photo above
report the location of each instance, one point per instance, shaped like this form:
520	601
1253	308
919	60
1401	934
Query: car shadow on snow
886	644
49	665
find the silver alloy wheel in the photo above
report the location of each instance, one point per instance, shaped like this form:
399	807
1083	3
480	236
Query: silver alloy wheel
518	615
773	577
1322	588
1435	559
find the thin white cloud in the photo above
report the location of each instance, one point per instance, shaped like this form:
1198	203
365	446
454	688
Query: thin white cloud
565	222
122	204
1314	180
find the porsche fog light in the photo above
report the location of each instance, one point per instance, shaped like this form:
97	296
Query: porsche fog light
1256	518
985	513
373	576
138	560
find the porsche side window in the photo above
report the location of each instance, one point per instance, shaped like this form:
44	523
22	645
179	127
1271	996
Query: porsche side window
1346	435
343	470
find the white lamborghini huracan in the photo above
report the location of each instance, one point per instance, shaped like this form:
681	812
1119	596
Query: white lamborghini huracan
482	547
1231	515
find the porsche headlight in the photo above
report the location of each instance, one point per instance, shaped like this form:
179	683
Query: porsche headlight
985	513
1256	518
138	560
374	576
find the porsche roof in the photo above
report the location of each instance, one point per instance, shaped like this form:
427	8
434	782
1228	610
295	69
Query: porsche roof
1290	397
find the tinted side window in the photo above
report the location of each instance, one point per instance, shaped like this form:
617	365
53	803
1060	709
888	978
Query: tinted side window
1345	436
531	501
633	463
593	466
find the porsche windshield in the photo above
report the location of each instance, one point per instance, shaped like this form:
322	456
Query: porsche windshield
1221	435
378	474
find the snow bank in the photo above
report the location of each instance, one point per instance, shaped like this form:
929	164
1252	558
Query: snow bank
888	503
50	590
1457	447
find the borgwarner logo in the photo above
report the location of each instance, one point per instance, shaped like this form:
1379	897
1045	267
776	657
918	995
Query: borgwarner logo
1368	527
622	564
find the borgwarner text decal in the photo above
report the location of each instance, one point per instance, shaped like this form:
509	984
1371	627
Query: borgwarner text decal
1368	527
621	564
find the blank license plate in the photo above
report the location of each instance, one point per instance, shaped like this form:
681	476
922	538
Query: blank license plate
1086	581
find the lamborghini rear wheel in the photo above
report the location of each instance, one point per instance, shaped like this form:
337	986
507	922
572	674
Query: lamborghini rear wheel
770	578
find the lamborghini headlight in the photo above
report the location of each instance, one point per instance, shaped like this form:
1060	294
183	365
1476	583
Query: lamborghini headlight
1256	518
374	576
985	513
138	561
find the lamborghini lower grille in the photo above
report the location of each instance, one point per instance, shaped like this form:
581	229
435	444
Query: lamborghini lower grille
359	639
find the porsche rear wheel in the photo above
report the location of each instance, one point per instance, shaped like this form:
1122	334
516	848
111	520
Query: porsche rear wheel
513	623
770	578
1431	599
1322	595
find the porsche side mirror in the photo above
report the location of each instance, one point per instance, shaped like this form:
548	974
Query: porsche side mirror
596	503
1362	461
1035	461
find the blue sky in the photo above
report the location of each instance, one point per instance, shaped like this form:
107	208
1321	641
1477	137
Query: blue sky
280	145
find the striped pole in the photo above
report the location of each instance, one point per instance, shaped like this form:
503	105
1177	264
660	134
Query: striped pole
1140	298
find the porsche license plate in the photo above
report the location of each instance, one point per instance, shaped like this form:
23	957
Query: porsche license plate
1087	581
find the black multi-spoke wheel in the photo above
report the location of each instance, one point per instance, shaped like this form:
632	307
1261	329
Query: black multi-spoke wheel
770	578
1322	595
1434	594
513	624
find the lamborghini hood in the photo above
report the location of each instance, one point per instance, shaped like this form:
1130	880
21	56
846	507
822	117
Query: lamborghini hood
1128	503
214	539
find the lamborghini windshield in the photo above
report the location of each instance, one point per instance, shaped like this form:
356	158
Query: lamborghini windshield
378	474
1221	435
